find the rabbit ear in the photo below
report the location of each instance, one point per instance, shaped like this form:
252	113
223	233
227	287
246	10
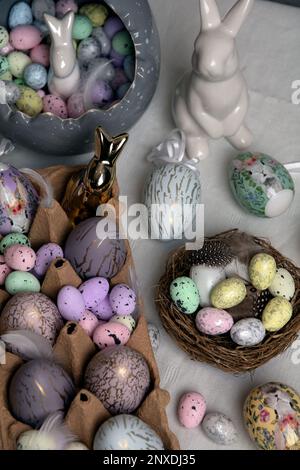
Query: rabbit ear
210	16
68	22
53	24
236	16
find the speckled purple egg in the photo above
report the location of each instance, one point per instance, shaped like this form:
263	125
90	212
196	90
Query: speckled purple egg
38	388
113	26
110	334
19	201
76	106
119	377
4	270
122	299
34	312
103	310
20	257
101	93
70	303
94	291
44	257
92	256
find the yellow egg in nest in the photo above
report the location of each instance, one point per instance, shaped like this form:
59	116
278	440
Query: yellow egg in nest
262	270
277	314
228	293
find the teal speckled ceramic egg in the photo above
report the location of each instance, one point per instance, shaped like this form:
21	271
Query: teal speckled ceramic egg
185	295
13	239
4	65
82	28
261	184
19	281
122	43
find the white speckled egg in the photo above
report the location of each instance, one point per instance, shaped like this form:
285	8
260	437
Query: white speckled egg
228	293
154	336
191	409
126	432
248	332
283	284
185	295
213	321
88	50
277	314
205	278
126	320
262	270
219	428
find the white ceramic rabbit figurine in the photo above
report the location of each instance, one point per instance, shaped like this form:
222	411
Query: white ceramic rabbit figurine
212	100
64	76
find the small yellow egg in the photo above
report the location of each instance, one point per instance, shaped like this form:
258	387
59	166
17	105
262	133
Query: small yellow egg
228	293
262	270
96	13
30	102
277	313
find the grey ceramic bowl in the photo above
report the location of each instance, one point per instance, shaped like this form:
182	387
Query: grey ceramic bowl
52	135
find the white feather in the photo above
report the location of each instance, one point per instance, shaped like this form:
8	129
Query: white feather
28	345
46	189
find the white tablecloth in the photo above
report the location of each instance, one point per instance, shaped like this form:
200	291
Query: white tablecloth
269	51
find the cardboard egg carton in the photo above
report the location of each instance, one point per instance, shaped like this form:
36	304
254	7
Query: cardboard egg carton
73	348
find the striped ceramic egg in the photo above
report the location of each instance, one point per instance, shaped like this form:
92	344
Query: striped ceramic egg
168	191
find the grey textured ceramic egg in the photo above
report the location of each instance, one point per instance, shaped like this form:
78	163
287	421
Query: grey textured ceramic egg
248	332
126	432
219	428
171	186
88	50
154	336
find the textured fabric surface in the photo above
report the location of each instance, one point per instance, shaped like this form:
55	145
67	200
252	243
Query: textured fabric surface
269	51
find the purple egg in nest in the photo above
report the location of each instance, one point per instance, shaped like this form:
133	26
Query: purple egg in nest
19	201
39	388
93	256
34	312
119	377
101	93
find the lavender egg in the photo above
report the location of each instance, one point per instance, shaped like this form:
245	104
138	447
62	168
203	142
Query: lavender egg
34	312
122	300
70	303
94	291
92	256
39	388
19	201
119	377
44	257
103	310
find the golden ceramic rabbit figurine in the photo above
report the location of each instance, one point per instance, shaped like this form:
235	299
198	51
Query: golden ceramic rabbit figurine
92	185
212	101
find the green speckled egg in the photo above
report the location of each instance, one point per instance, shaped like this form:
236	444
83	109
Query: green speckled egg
30	102
4	65
18	61
82	28
6	76
262	270
4	37
185	295
19	281
228	293
277	314
122	43
19	82
95	12
13	239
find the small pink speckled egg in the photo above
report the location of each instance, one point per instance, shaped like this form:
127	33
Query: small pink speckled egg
103	310
63	6
111	334
76	106
122	299
44	257
94	291
41	93
40	54
55	105
89	322
4	270
25	37
213	321
70	303
191	409
20	257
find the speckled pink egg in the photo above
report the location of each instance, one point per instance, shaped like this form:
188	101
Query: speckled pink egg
55	105
20	257
7	49
63	6
94	291
213	321
70	303
191	409
41	93
103	310
44	257
89	322
111	334
4	270
76	106
40	54
122	299
25	37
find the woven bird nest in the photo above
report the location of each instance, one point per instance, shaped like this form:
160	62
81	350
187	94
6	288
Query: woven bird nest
221	351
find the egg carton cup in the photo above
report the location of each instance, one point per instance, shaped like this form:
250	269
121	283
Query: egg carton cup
73	348
220	351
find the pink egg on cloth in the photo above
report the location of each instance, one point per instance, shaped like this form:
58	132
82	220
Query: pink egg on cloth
94	291
111	334
63	6
20	257
191	409
55	105
76	106
103	310
122	299
89	322
4	270
44	257
25	37
213	321
70	303
40	54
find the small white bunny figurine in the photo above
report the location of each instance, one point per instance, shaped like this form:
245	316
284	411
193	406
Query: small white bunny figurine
64	76
212	100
